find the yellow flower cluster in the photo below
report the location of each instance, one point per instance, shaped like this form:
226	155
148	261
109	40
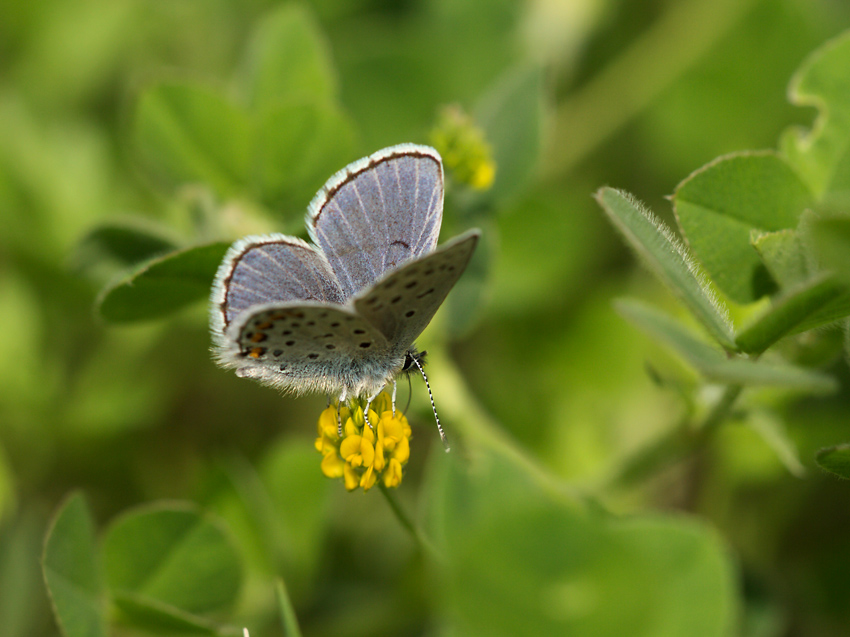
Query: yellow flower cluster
364	455
464	150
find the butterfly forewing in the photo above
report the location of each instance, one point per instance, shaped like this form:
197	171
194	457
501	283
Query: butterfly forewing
273	268
403	303
379	213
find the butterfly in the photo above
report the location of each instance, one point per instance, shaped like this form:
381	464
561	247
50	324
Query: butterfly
340	315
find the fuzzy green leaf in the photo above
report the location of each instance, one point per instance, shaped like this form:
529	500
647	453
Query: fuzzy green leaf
789	313
669	260
186	133
171	556
720	205
836	460
163	285
822	154
711	362
72	572
288	57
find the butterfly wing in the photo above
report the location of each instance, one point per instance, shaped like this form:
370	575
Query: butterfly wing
377	213
304	346
268	269
403	303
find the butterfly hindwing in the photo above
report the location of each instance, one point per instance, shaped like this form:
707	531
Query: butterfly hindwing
378	213
302	345
403	303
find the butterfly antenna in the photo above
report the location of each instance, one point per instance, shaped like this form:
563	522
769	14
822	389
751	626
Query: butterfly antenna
445	440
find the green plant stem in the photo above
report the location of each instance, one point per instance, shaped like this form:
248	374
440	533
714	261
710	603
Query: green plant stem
287	612
415	532
720	412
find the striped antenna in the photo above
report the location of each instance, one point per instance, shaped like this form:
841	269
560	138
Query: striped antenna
443	437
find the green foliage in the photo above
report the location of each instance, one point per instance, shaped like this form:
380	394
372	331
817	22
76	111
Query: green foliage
167	567
748	220
668	259
141	139
835	460
712	363
162	285
821	155
72	571
576	577
721	205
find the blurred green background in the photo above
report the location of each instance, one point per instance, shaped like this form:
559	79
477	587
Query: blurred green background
575	94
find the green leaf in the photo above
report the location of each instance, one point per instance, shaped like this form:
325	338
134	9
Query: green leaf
162	286
289	57
72	572
822	155
835	459
522	560
511	115
720	205
299	145
773	432
782	255
830	237
712	363
789	313
669	260
186	133
170	556
122	243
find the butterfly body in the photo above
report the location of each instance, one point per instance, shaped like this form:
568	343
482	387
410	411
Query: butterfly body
340	316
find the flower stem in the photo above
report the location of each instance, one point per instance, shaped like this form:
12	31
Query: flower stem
424	543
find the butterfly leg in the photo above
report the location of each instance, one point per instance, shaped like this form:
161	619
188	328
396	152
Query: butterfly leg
369	404
395	387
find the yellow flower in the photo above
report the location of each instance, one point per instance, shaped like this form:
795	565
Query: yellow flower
357	451
466	153
364	455
328	428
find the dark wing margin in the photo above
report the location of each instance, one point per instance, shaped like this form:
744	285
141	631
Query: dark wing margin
266	269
